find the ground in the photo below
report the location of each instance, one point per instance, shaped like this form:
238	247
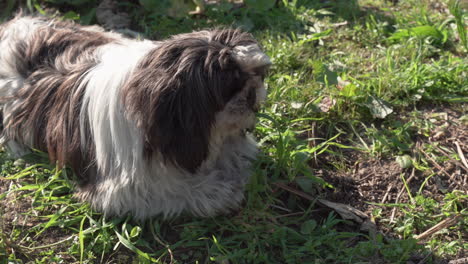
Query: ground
364	143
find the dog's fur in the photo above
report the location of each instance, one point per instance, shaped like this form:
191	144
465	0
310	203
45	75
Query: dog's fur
148	127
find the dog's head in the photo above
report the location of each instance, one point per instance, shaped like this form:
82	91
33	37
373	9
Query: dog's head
193	86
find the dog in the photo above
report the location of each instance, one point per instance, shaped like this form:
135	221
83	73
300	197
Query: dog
148	127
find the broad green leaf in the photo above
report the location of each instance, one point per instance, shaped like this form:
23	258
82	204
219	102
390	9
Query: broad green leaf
323	74
135	231
421	32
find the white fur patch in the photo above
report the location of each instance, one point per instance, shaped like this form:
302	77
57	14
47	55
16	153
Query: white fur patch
102	107
126	182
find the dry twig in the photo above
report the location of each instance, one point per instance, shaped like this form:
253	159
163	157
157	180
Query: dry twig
344	210
441	225
295	191
460	154
384	198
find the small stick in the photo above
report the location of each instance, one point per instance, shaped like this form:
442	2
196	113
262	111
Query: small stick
281	208
441	225
386	193
366	177
296	192
291	214
460	153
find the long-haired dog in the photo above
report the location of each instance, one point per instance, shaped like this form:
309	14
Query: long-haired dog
149	127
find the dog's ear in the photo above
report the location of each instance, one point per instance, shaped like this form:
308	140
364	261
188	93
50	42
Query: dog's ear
175	95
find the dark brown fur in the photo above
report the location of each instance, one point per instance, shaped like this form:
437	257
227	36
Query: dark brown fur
179	88
50	100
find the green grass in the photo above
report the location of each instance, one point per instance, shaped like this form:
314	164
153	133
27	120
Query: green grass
352	83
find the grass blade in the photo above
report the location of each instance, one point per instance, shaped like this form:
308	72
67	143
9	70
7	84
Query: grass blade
81	239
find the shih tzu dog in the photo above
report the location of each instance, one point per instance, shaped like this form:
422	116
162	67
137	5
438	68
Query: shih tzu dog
149	127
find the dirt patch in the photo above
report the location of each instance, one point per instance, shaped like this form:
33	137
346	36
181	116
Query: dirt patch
381	180
439	143
368	181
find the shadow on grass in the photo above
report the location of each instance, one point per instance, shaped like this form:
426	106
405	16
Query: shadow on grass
277	20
